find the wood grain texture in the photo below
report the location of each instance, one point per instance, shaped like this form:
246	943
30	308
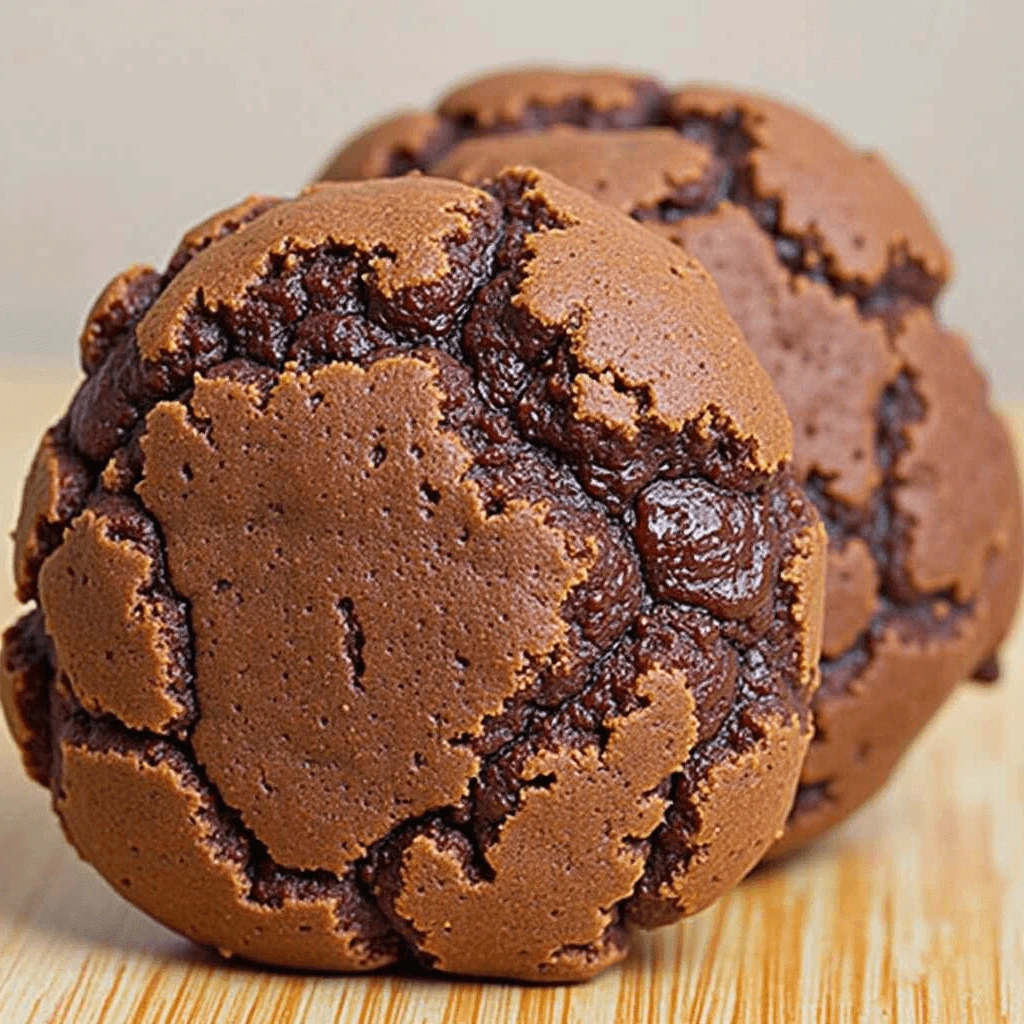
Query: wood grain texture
913	911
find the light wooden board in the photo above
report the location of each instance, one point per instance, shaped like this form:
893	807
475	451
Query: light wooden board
914	911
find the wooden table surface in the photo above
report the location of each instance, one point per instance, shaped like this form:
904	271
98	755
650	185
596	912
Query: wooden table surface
913	911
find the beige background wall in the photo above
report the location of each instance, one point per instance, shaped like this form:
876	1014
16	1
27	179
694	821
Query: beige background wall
122	123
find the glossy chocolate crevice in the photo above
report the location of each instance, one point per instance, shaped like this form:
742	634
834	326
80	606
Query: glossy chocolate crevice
28	657
906	282
917	614
647	108
224	832
316	308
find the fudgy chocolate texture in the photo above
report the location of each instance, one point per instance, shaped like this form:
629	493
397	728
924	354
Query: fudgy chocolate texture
419	575
831	268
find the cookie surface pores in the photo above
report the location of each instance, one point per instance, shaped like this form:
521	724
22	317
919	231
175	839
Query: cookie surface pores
831	269
384	606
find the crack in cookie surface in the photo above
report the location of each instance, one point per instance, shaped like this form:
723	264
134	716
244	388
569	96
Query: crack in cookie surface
131	783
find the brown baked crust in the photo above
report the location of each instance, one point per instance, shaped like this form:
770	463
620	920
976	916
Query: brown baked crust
830	266
418	585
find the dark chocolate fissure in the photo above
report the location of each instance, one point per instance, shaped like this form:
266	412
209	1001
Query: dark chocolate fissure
28	652
905	279
355	640
885	530
231	840
76	483
125	520
647	110
252	344
915	615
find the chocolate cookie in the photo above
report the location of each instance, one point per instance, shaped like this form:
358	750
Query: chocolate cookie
832	270
418	574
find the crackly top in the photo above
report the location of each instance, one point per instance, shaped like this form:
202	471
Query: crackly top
427	553
675	309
